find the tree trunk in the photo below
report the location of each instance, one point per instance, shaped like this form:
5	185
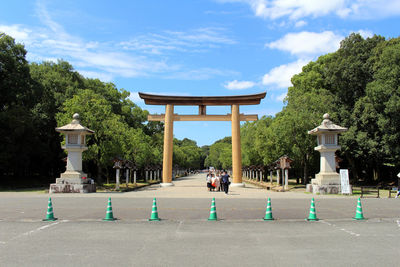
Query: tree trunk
99	174
353	169
305	170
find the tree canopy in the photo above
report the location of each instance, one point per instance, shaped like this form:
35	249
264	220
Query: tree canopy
38	97
359	85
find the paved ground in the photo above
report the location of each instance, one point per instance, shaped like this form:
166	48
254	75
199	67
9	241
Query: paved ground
185	238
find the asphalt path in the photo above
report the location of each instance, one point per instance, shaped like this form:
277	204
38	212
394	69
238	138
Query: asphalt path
184	237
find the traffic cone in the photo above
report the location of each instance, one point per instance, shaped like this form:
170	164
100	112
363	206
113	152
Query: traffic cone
154	212
313	213
213	211
268	212
109	212
50	214
359	212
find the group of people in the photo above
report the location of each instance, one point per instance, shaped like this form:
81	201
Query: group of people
218	181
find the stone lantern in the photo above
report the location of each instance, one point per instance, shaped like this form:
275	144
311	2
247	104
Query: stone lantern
327	181
74	180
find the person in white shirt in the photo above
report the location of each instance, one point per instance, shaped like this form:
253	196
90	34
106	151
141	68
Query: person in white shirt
208	179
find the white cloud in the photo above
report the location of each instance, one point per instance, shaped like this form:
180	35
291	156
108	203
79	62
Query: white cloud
300	23
200	74
374	9
297	9
104	77
365	33
92	58
307	43
17	32
135	98
279	77
294	9
197	40
239	85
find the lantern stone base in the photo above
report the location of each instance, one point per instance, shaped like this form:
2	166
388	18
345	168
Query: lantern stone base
72	188
323	189
73	177
325	183
73	182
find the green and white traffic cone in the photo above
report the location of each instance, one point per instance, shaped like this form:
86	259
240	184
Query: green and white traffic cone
268	212
154	212
359	212
213	211
50	214
313	213
109	212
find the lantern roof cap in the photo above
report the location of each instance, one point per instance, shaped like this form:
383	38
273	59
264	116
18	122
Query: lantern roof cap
74	126
327	126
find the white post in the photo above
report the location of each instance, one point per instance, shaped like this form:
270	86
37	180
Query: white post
286	179
127	176
117	179
278	171
146	176
134	177
270	176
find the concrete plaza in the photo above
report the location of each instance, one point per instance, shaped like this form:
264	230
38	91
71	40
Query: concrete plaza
185	238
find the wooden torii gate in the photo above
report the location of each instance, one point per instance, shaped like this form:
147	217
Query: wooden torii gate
202	101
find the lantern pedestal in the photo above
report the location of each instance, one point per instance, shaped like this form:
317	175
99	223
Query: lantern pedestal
72	188
73	182
325	183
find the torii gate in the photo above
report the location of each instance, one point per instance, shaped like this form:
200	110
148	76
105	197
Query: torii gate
202	101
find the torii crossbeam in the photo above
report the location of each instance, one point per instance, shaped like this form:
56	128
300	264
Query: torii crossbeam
202	101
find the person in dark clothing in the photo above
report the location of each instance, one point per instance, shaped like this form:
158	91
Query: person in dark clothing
225	182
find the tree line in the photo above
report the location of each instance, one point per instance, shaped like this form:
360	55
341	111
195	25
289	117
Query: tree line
38	97
359	86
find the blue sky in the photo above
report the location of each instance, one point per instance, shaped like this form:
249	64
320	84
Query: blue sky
207	47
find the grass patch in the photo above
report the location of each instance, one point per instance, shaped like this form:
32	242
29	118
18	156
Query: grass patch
122	187
26	190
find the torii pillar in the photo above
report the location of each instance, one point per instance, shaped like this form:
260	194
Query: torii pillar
236	148
168	146
202	101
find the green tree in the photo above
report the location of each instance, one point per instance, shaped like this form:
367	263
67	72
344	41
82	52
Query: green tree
28	140
220	155
96	114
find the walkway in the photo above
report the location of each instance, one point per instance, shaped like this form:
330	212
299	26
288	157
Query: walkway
194	186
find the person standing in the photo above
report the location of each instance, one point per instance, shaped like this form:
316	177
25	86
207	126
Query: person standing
213	179
398	186
208	179
225	181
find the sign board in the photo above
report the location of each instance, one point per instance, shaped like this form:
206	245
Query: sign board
344	181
